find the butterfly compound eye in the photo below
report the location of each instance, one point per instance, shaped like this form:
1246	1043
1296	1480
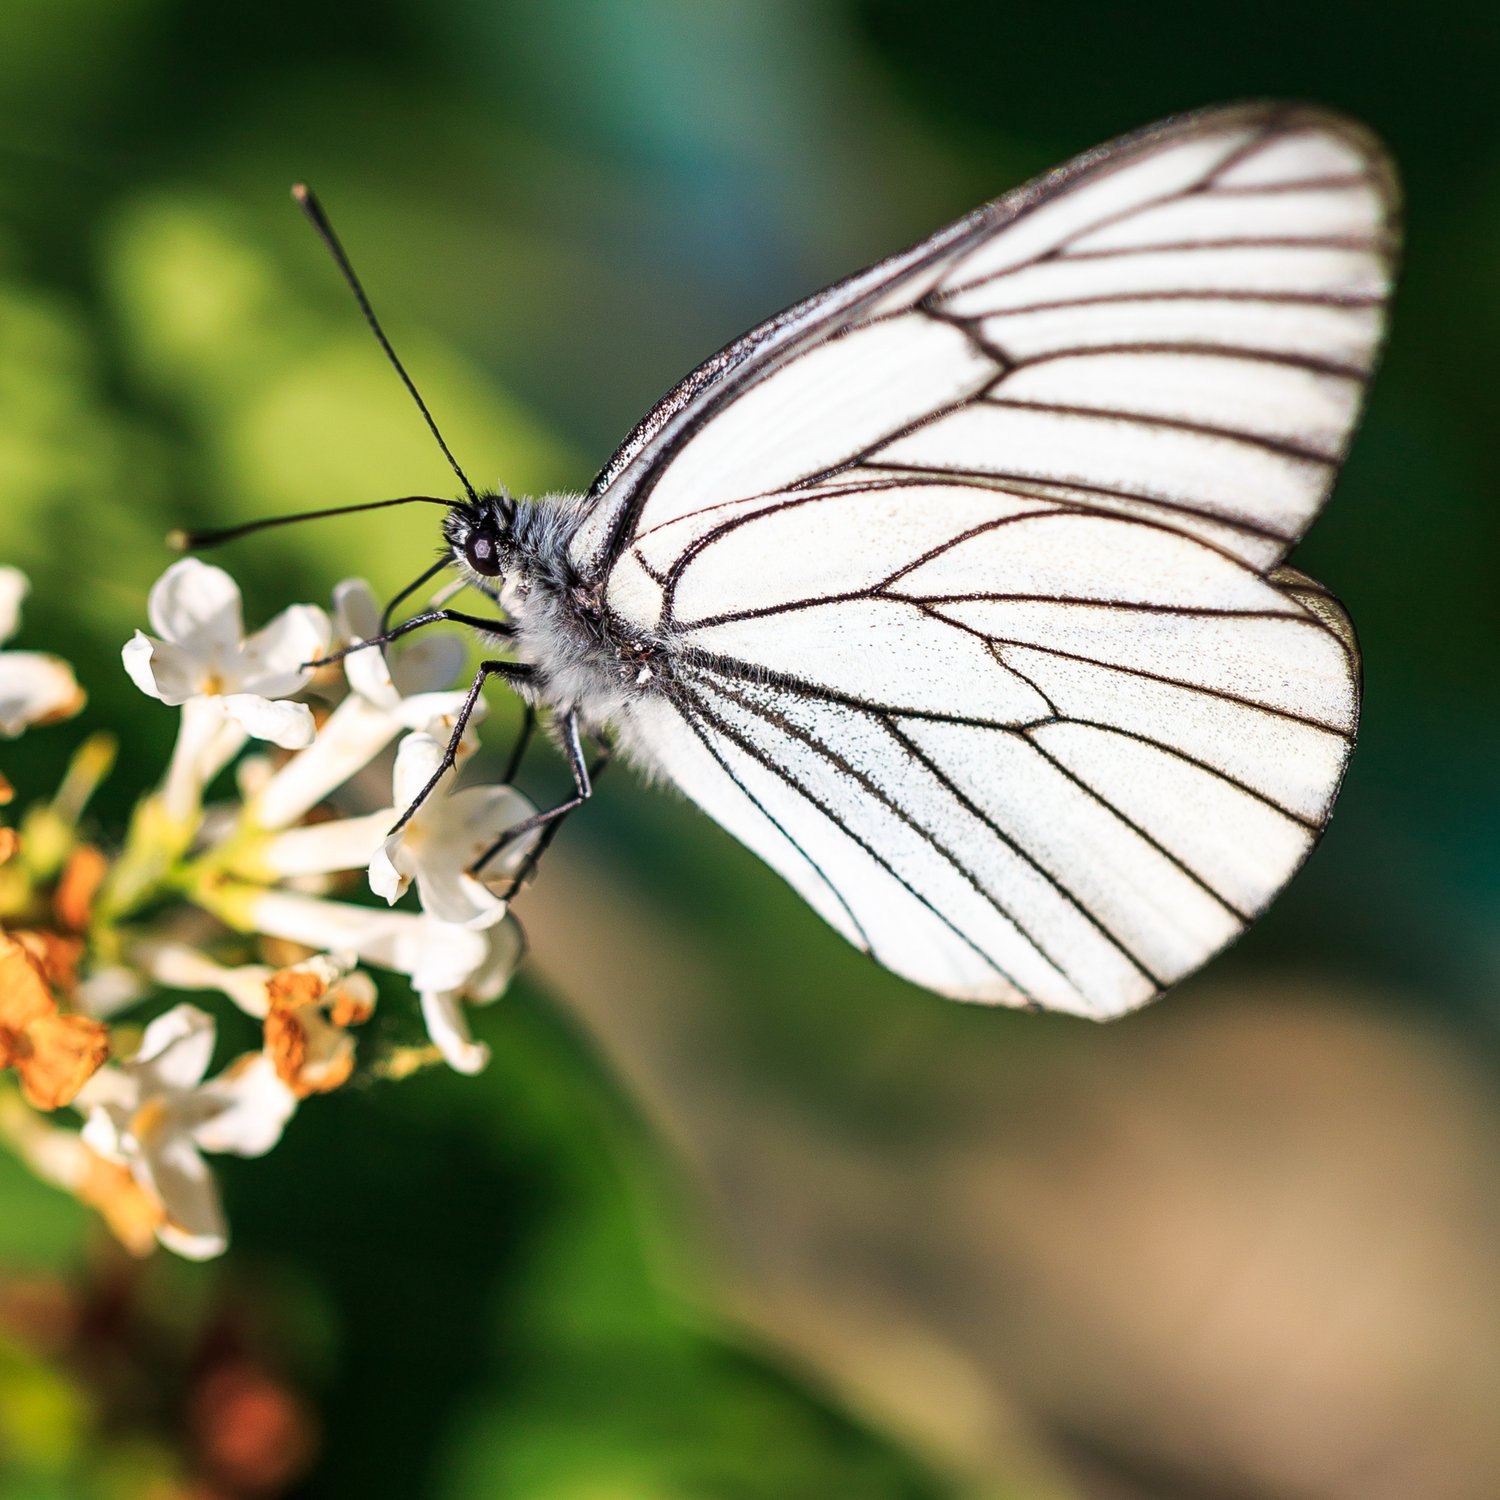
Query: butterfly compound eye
482	553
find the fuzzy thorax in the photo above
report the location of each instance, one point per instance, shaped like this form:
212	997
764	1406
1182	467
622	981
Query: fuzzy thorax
518	551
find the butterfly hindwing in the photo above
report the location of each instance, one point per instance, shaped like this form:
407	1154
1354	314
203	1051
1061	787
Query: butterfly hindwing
1013	768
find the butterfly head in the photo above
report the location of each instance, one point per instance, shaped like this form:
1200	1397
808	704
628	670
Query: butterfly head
481	534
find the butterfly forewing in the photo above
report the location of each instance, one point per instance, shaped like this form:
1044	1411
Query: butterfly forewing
963	570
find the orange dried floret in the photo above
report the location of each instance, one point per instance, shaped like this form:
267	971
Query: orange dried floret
307	1026
73	900
54	1054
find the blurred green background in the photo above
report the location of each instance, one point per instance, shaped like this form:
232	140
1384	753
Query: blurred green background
732	1214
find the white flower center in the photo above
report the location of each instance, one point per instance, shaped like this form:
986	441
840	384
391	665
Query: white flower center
149	1121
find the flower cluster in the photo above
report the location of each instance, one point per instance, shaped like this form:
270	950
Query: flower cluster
254	898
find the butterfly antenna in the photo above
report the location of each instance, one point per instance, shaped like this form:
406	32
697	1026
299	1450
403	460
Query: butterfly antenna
308	203
197	541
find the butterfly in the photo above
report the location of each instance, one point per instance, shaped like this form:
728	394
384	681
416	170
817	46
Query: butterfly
957	592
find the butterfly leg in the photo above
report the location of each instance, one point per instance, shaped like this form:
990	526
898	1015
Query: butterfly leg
551	820
389	612
501	628
512	672
550	832
523	739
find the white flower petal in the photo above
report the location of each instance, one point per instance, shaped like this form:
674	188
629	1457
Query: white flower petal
482	814
387	879
251	1107
162	670
370	679
349	739
207	740
35	688
440	956
108	990
417	761
451	896
178	1177
289	725
253	775
175	1050
446	833
424	666
104	1129
428	664
197	606
435	714
357	618
272	662
507	945
13	589
208	1245
371	933
331	968
136	654
320	848
448	1026
492	809
399	940
356	612
182	968
437	955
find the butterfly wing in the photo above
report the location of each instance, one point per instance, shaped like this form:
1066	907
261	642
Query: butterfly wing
970	567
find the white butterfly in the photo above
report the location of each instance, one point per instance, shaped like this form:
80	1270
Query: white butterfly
957	591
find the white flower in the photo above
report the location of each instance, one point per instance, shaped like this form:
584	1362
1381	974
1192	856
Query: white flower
446	963
443	1010
385	698
35	688
155	1116
405	685
202	652
443	838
